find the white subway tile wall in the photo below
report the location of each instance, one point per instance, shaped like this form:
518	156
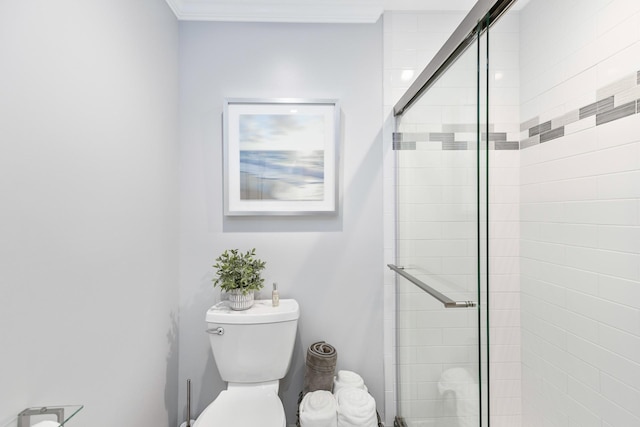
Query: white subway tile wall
580	228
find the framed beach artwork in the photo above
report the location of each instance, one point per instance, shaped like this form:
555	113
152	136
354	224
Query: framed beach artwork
280	156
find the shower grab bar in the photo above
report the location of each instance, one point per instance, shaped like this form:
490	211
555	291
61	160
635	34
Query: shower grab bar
448	302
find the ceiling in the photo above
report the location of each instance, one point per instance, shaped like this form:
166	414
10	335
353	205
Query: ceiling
310	11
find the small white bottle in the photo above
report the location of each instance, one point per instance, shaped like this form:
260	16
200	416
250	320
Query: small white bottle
275	297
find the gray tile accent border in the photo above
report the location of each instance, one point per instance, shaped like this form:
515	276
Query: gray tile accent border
529	124
400	142
404	145
617	113
529	142
601	106
442	136
507	145
413	136
552	134
615	101
454	145
589	110
495	136
543	127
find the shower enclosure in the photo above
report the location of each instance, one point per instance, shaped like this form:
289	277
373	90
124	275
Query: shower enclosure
517	188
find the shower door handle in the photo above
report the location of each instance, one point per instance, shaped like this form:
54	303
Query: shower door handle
445	300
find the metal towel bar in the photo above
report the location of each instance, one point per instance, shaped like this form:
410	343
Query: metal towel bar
448	302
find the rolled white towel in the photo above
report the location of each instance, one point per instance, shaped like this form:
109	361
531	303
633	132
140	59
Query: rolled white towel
318	409
465	389
356	408
467	404
345	379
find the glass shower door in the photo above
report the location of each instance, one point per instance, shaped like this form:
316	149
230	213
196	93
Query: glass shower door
438	331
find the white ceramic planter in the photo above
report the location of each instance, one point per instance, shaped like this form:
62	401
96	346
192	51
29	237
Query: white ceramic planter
238	301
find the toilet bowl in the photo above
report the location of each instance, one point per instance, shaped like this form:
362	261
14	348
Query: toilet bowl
252	350
246	406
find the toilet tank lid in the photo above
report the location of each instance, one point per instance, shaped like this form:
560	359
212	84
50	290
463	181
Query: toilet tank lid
262	311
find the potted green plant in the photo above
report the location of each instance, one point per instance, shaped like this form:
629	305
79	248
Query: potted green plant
239	274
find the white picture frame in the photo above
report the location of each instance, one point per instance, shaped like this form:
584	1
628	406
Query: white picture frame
281	156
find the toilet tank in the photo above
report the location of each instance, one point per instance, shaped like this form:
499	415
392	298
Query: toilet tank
253	345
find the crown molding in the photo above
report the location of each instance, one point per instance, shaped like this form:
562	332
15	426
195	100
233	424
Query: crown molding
302	11
429	5
174	5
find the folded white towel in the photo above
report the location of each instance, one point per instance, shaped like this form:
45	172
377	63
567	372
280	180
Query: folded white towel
46	423
318	409
356	408
345	379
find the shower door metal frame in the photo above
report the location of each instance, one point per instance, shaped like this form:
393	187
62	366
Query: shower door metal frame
484	13
473	37
470	30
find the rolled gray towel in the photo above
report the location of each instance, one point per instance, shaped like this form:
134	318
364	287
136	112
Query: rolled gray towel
320	367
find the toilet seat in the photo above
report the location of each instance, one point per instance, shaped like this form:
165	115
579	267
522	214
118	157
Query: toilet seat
244	407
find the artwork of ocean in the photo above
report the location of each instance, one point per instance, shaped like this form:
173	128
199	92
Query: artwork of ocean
282	175
282	157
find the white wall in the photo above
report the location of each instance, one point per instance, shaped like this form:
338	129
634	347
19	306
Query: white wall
331	265
580	203
88	224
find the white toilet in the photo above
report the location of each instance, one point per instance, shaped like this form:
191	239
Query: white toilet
252	350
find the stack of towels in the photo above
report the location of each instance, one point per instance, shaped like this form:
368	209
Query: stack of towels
350	405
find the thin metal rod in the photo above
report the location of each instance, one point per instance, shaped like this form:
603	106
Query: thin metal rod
448	302
461	38
188	403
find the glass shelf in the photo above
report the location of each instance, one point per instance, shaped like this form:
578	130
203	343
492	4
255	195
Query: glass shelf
31	416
